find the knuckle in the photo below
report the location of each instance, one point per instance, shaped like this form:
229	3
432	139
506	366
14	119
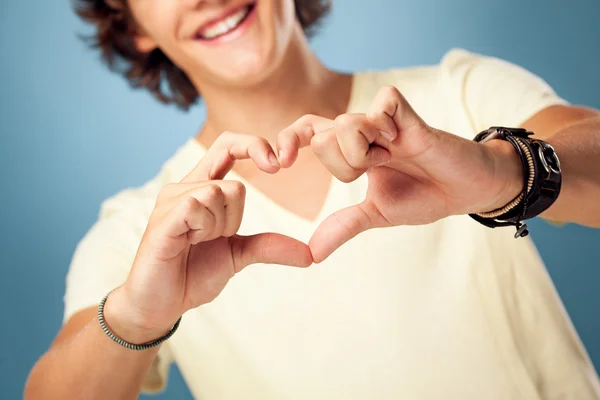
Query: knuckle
189	204
364	126
226	136
390	91
238	189
344	119
305	119
284	132
285	135
213	192
319	141
376	115
221	140
260	141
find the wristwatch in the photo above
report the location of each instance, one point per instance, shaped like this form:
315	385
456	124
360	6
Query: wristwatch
542	179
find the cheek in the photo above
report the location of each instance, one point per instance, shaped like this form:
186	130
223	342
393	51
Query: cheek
157	19
278	24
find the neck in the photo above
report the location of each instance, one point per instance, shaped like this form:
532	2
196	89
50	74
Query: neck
300	85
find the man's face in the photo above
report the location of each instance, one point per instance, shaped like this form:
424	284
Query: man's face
228	42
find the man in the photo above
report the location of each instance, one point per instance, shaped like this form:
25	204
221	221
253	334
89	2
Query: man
436	305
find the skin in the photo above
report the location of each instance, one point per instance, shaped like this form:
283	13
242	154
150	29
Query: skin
418	174
271	64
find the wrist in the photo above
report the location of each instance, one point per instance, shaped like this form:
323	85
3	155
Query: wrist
127	324
508	177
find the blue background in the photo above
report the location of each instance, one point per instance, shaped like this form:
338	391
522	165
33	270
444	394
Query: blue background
72	134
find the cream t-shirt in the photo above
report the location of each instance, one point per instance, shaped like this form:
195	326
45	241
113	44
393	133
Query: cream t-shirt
449	310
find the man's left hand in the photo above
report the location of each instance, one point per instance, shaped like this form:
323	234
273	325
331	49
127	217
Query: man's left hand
417	174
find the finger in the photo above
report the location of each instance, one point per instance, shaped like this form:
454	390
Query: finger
228	148
390	113
224	199
356	137
299	135
327	149
235	198
201	221
337	229
188	222
211	197
269	248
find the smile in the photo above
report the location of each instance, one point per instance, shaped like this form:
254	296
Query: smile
225	25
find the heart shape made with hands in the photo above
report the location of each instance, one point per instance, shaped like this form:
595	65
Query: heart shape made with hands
417	174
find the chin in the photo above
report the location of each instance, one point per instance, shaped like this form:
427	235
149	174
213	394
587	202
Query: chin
250	70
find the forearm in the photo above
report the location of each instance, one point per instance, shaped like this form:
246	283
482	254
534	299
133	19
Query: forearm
89	365
578	148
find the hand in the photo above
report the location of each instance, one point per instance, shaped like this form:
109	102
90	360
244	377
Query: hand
417	174
190	249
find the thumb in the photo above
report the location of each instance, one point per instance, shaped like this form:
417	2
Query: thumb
377	156
269	248
337	229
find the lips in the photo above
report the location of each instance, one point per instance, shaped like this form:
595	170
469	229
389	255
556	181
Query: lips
224	25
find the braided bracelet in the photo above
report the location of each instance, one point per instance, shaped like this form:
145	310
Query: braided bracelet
541	174
131	346
530	175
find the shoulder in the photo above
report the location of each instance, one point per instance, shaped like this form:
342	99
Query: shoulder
449	59
455	64
422	81
463	91
483	70
429	88
457	58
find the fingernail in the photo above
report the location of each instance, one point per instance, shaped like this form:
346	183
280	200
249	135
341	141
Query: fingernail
273	159
280	154
386	135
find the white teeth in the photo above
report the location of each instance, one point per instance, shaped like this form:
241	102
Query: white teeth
226	25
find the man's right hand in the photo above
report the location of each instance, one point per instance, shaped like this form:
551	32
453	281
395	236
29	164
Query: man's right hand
190	248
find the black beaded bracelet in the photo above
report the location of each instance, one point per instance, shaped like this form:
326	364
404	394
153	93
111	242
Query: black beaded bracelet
131	346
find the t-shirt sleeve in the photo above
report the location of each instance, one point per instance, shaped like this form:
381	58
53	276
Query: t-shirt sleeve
494	92
101	262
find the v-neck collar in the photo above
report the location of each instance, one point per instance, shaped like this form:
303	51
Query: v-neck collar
331	203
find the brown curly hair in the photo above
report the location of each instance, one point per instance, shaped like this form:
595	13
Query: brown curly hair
116	28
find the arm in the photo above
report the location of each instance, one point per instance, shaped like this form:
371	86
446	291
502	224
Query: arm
494	92
421	174
574	132
170	275
84	363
